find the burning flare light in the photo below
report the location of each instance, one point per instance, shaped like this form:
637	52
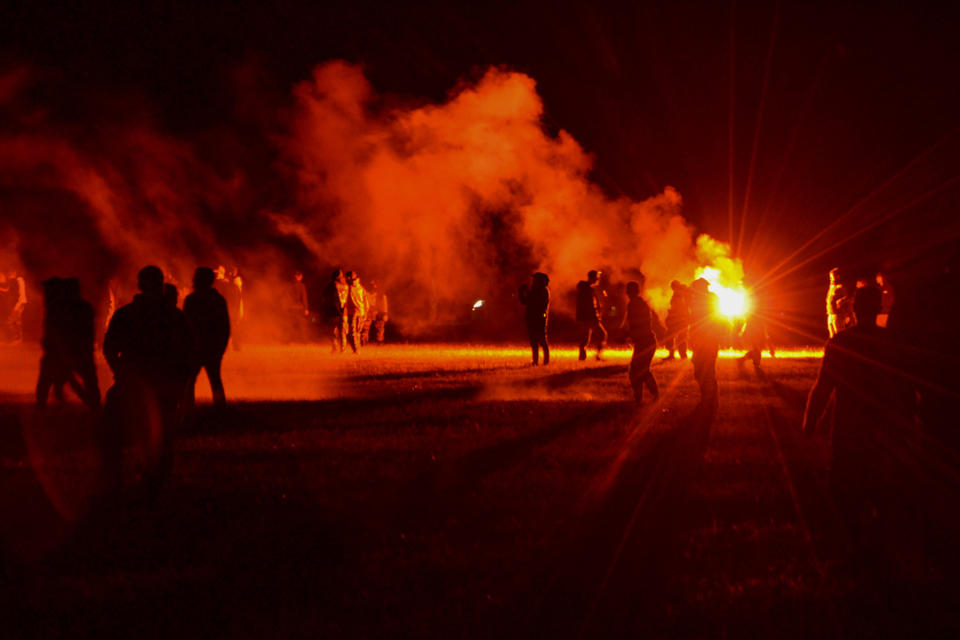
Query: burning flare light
734	301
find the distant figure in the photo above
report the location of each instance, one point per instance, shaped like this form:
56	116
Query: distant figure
299	307
643	327
839	304
589	314
536	298
239	315
887	299
18	292
705	332
756	339
379	312
678	320
227	287
859	369
356	309
209	320
68	334
335	309
148	348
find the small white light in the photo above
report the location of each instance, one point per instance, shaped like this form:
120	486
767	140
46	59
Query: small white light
478	304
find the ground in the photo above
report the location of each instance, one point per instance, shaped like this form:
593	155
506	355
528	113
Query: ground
442	491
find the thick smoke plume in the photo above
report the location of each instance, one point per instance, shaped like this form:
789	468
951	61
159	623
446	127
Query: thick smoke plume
442	203
468	195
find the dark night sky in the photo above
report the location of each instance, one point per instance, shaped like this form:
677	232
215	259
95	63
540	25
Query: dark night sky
855	91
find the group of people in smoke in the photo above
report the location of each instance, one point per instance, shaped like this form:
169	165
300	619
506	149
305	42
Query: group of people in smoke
13	300
351	313
154	349
840	298
692	320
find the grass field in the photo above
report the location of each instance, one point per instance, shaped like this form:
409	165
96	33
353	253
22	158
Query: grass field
452	491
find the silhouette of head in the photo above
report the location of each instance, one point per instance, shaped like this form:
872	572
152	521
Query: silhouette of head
150	280
633	289
540	279
676	286
834	275
866	305
203	278
337	275
298	276
221	272
52	289
700	286
593	276
352	276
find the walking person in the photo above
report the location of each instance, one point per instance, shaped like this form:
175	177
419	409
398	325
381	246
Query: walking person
643	327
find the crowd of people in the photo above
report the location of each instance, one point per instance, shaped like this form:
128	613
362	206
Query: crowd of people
351	313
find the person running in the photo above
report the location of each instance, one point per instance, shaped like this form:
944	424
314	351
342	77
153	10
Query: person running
589	314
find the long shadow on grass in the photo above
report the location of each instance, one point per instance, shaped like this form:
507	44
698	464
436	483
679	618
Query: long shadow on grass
610	578
269	416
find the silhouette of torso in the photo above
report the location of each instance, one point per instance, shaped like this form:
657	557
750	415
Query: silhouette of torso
206	313
704	328
640	322
148	338
588	302
334	299
538	306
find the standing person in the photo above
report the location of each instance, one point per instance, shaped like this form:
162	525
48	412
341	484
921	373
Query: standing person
18	291
839	304
209	319
149	350
68	333
872	400
643	327
589	314
356	308
379	311
705	333
678	320
335	309
536	298
240	314
299	307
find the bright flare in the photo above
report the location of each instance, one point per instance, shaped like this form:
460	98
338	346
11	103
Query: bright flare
734	302
478	304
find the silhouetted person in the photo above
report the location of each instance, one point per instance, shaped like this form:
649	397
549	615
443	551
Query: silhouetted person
589	314
149	350
839	304
705	333
356	309
643	327
335	309
860	369
299	307
209	320
536	298
756	339
678	320
379	313
68	335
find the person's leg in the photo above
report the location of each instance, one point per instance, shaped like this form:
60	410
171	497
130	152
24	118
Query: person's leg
602	343
669	343
587	332
546	347
212	367
44	382
87	370
682	343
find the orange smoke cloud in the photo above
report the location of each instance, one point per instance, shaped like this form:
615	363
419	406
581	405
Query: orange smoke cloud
458	195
